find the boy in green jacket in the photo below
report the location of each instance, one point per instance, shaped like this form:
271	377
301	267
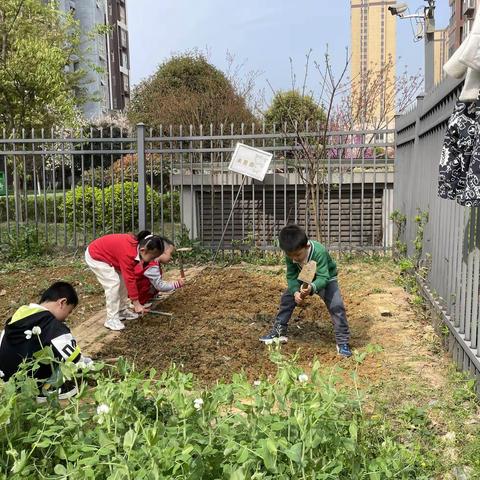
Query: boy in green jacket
299	250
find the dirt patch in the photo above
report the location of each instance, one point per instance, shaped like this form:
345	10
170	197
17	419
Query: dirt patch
219	316
21	287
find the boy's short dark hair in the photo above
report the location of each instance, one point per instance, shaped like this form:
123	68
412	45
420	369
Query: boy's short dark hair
60	290
292	237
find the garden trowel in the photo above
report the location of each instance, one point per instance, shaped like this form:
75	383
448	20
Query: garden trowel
306	275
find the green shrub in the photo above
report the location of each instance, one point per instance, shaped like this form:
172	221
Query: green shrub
106	209
52	202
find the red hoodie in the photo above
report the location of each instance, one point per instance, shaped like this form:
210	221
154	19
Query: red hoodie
119	250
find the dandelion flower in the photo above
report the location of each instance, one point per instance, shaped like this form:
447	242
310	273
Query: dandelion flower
198	403
103	408
303	378
36	330
28	334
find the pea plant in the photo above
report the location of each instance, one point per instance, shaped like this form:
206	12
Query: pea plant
126	424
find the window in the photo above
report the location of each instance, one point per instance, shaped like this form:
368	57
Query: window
123	37
124	59
121	14
126	85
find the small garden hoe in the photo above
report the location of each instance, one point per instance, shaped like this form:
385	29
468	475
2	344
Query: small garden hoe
306	276
180	259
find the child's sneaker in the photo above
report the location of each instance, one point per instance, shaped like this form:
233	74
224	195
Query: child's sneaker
67	390
128	314
344	350
114	324
275	335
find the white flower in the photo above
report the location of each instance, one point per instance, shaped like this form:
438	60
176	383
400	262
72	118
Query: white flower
103	408
2	374
256	383
86	363
81	365
36	330
28	334
198	403
303	378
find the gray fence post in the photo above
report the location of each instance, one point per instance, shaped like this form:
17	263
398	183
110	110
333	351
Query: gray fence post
142	191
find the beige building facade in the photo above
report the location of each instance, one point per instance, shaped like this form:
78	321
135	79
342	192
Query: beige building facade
373	45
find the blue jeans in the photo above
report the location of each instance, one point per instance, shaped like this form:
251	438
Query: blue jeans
333	300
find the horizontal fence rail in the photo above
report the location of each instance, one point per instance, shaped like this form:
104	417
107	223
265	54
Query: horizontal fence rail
69	189
450	250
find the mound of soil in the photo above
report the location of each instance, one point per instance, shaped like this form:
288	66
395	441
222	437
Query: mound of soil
217	320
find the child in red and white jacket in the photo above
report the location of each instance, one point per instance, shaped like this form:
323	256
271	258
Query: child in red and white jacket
114	260
150	280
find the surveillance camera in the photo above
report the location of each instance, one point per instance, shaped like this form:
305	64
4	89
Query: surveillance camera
398	9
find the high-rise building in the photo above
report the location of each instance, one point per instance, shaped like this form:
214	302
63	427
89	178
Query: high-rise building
462	13
440	38
104	57
119	60
373	45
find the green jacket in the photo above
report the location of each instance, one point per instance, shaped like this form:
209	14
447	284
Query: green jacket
326	269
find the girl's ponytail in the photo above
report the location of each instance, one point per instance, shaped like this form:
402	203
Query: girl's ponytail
142	235
150	242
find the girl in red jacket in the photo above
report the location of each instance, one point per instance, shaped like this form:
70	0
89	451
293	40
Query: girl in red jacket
113	259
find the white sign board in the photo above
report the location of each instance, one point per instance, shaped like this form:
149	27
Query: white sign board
250	161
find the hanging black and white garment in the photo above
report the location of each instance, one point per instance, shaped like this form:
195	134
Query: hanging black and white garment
459	170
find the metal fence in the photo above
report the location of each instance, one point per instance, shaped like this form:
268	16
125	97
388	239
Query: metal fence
450	253
70	189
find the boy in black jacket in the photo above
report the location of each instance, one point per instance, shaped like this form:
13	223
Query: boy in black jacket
35	326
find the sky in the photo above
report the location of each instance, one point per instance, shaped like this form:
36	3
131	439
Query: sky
262	35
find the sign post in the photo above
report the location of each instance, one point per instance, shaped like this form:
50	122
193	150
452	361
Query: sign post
249	162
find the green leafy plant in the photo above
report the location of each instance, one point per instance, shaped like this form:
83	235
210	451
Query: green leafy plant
26	244
399	220
145	425
421	219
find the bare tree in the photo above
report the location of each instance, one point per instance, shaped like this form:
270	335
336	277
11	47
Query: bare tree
350	105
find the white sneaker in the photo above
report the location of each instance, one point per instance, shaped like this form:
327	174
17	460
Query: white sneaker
128	314
114	324
62	394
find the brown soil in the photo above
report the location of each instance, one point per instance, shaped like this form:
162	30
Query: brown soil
24	286
220	314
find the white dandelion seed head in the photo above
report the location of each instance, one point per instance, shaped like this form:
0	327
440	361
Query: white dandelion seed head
36	330
257	383
2	374
198	403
